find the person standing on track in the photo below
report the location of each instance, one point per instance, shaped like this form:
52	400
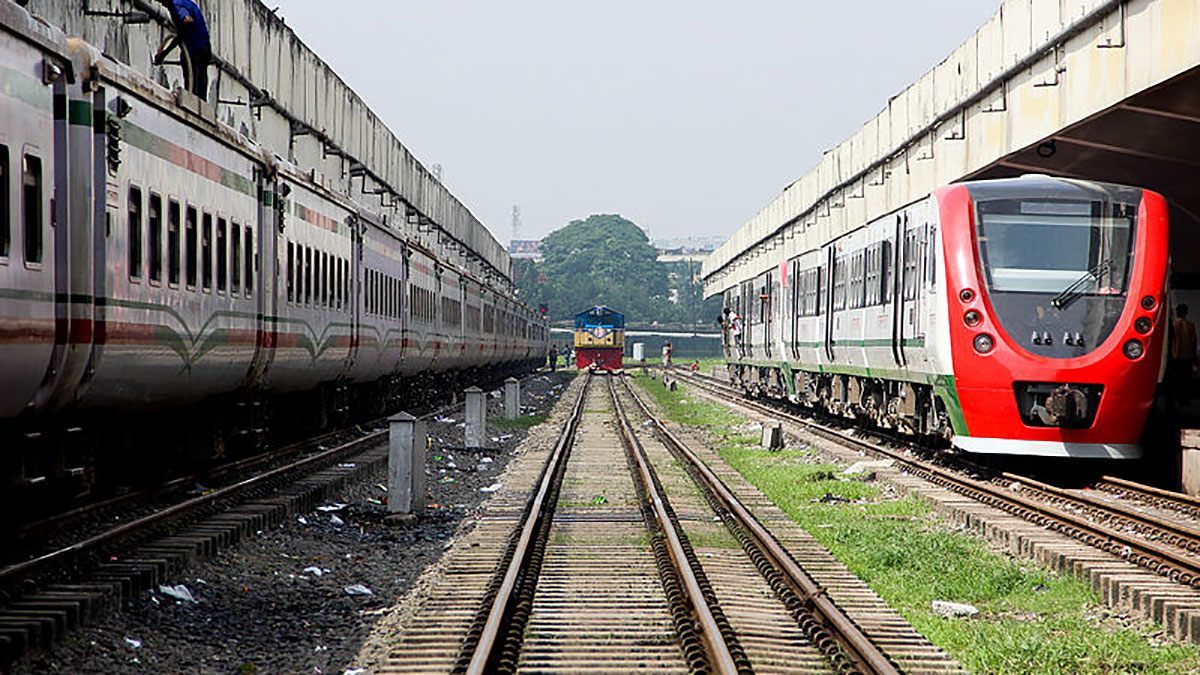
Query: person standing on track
192	31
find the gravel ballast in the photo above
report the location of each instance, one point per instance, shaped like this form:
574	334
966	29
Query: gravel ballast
292	599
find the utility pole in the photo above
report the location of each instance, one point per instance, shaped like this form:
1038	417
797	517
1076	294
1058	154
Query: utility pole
516	224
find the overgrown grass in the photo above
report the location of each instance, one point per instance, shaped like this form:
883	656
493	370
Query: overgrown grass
1030	620
521	422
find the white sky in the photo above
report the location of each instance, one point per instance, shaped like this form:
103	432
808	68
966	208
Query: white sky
685	117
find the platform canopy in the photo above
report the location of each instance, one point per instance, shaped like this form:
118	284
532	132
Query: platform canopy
600	316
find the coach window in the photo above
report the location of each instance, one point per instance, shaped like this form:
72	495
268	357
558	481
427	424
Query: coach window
299	274
173	242
340	283
291	272
308	276
318	276
222	254
248	251
930	256
33	209
191	224
235	259
5	214
154	221
206	251
872	275
889	264
325	295
337	282
135	232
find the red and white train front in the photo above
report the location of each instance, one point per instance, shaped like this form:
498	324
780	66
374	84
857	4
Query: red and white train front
1057	313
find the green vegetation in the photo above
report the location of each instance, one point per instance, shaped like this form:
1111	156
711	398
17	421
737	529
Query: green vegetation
608	260
1030	620
521	422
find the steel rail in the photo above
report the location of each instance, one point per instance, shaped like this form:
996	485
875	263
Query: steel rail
719	656
1161	559
864	655
95	543
1178	534
1172	500
486	648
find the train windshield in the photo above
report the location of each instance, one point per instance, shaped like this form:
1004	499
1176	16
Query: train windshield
1060	246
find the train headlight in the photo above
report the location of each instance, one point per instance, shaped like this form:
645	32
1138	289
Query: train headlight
972	318
966	295
1148	303
1143	325
984	343
1133	349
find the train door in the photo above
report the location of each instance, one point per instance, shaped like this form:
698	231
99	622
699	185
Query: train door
748	318
270	213
830	269
792	283
911	322
770	293
76	164
898	290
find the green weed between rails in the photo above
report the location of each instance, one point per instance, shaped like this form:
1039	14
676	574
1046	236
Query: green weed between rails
521	422
1030	620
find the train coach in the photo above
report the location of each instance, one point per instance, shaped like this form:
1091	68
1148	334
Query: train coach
161	273
1018	316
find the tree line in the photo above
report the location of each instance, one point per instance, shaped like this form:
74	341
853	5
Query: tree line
608	260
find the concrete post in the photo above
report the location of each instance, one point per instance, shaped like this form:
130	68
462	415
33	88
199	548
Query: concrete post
512	398
476	418
401	439
419	448
772	436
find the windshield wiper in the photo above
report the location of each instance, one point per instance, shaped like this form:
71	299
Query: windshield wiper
1071	293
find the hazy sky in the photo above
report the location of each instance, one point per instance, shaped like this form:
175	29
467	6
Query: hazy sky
685	117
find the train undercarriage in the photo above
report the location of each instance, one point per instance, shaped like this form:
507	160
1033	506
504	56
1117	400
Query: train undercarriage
52	462
904	407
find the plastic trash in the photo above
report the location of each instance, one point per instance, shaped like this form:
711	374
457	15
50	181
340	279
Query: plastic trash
447	479
491	488
486	460
133	642
952	609
302	520
332	507
314	570
353	671
337	522
179	592
347	465
358	589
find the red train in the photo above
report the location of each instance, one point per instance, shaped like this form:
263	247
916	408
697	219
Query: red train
1021	316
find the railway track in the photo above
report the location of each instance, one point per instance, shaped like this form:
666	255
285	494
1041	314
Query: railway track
1151	538
44	596
658	566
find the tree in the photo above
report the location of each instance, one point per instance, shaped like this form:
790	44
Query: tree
603	260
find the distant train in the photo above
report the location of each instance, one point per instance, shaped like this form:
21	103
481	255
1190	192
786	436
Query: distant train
599	338
154	259
1022	316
